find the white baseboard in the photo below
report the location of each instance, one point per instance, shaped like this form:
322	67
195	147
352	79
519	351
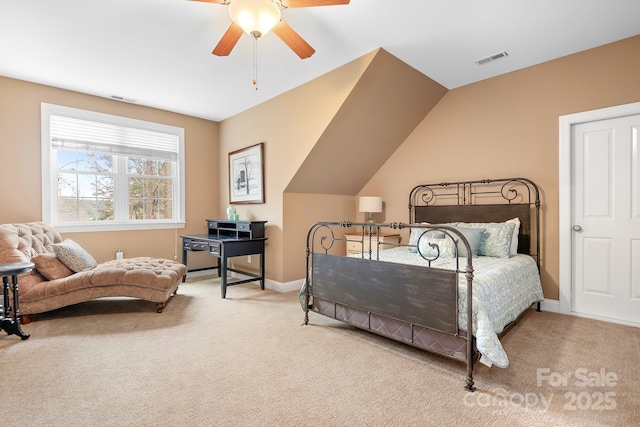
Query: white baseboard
554	307
281	287
551	305
201	273
294	285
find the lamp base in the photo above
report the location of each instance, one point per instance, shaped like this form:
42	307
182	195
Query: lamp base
371	228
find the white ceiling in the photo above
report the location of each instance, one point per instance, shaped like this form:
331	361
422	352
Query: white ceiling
158	52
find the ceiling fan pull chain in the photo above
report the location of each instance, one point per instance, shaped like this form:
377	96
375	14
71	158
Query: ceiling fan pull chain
255	62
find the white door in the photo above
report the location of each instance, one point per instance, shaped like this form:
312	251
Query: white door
606	219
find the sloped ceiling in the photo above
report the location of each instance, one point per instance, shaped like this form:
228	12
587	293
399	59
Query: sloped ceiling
385	105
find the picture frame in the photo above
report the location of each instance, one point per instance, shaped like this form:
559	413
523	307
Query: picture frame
246	175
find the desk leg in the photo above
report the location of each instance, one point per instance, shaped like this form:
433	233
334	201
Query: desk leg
262	268
222	271
184	261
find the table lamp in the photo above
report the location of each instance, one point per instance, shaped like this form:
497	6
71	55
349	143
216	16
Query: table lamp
370	204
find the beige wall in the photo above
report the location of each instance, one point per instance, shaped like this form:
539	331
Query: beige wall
501	127
289	125
508	126
300	212
21	168
327	137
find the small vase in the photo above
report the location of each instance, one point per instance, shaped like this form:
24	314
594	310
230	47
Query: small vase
231	213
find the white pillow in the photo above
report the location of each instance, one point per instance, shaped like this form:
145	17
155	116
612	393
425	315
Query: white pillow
443	248
513	249
74	256
415	234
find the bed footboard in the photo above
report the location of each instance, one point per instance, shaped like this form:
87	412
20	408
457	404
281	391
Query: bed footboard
418	295
413	304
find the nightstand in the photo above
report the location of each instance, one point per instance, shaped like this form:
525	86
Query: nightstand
355	247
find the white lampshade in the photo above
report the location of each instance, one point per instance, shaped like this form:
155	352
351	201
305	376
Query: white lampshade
370	204
255	17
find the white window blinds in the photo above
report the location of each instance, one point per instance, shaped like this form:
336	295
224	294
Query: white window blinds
80	134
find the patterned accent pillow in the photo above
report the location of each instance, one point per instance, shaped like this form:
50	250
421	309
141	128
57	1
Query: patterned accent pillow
50	266
74	256
474	236
497	238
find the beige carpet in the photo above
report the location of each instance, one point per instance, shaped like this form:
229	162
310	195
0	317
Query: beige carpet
247	361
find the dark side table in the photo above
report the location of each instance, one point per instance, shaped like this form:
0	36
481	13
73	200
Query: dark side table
8	322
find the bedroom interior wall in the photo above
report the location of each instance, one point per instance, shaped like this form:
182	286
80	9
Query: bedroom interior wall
21	168
300	212
507	126
360	114
382	109
289	125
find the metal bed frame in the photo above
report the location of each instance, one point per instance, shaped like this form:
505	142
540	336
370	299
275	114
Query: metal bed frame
413	304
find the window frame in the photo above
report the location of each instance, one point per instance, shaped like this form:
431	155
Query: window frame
50	177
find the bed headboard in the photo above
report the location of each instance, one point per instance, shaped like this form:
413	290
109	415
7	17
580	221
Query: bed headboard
487	200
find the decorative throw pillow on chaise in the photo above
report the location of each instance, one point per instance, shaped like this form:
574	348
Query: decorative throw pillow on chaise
74	256
50	266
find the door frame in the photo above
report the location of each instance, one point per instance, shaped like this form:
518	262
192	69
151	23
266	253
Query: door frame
566	190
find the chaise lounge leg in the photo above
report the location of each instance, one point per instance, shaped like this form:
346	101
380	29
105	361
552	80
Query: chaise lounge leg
26	318
160	306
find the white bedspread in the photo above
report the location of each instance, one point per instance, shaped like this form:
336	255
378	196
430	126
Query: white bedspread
502	289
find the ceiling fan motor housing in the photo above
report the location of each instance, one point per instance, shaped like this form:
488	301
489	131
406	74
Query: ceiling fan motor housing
255	17
258	17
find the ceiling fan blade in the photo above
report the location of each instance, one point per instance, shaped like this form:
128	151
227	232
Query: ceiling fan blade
293	40
311	3
228	40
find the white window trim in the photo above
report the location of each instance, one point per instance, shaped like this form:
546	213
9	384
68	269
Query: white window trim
49	180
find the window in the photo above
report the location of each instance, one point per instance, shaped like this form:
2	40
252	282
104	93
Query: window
104	172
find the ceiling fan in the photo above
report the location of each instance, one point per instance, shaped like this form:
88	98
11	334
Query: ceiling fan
258	17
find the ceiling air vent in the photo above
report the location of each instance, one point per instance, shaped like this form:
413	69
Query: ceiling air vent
123	99
491	58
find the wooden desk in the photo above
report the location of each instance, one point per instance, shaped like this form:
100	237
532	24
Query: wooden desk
227	239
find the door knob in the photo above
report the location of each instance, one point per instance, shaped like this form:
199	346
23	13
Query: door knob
577	228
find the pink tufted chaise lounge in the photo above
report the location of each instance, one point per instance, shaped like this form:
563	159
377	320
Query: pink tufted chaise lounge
150	279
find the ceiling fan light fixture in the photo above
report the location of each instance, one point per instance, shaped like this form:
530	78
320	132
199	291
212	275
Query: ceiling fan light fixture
255	17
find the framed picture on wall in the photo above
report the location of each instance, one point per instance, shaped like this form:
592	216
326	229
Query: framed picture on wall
246	175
